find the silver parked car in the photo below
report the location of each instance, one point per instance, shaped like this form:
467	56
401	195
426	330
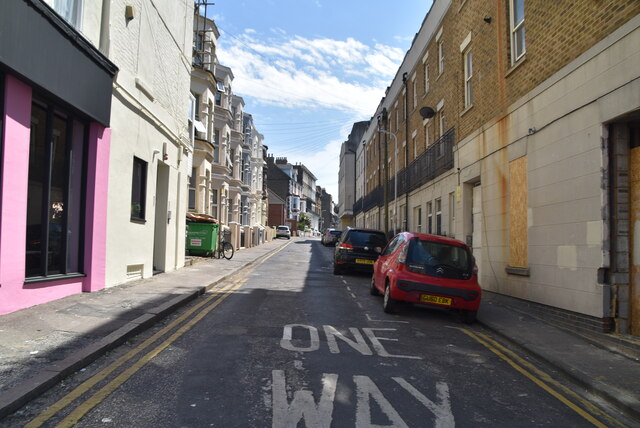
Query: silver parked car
283	232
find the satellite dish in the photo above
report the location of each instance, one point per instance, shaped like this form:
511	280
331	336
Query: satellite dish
427	112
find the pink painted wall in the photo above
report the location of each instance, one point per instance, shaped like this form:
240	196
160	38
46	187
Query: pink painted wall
96	210
14	293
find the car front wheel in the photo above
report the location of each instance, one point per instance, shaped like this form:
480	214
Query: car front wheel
389	305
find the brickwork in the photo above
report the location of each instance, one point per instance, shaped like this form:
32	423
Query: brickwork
547	108
556	33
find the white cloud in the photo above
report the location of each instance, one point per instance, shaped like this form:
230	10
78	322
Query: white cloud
295	71
347	77
323	163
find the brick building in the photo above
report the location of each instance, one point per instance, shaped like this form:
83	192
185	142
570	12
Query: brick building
513	126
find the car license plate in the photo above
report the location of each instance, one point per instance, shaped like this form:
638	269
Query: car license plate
364	261
428	298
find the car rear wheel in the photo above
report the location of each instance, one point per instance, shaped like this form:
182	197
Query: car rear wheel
469	317
372	287
389	305
336	269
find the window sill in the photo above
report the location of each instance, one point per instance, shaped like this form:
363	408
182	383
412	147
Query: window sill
138	220
515	66
517	271
466	110
52	278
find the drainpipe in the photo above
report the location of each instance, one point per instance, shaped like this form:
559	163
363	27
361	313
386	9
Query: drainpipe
104	27
406	152
382	123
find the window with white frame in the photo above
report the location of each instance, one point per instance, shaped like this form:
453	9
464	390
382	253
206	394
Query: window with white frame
216	146
415	146
441	122
440	56
427	139
415	92
192	189
438	208
468	74
452	213
517	30
417	217
426	77
214	203
70	10
429	217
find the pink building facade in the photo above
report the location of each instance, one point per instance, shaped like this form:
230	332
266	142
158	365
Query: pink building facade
54	159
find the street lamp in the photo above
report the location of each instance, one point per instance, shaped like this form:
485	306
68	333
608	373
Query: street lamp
395	182
364	180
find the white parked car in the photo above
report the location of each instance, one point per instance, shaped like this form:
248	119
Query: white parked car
283	232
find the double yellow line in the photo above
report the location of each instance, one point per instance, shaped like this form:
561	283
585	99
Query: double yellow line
209	304
568	397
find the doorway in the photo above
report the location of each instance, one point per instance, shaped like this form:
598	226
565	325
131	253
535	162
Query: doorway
161	219
476	225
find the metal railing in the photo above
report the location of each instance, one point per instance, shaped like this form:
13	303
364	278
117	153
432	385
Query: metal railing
436	160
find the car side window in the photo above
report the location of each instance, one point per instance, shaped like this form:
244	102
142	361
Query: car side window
393	245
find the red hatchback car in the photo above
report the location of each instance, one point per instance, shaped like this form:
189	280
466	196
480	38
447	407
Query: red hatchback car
429	270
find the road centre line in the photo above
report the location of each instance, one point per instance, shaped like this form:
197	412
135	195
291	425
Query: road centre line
544	380
83	388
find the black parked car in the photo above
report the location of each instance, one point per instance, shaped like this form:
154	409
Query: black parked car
358	249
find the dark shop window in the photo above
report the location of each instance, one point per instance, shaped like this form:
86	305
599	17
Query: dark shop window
55	204
138	189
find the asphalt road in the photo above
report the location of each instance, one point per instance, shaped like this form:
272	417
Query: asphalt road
287	343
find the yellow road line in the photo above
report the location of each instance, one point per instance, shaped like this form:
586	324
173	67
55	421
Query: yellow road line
102	375
90	383
542	379
106	390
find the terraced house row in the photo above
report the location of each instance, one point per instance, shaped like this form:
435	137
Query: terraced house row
115	122
513	125
228	179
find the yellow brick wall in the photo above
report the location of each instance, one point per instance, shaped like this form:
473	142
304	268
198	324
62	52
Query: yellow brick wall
556	33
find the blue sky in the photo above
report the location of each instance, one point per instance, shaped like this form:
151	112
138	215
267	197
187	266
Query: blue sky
309	69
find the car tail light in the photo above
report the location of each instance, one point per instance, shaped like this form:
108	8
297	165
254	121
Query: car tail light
345	246
402	257
475	270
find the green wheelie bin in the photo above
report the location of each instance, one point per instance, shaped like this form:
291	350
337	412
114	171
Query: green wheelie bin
202	238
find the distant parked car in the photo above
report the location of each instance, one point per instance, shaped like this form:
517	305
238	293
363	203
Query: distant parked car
358	249
330	237
283	232
429	270
334	237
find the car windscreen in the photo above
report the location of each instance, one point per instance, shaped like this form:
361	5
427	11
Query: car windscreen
283	228
439	259
336	232
366	239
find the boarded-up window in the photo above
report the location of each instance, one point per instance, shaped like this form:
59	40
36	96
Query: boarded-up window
518	208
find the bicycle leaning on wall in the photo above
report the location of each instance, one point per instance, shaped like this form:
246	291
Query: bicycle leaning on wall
224	249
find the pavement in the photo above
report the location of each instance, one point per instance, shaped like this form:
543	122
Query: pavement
44	344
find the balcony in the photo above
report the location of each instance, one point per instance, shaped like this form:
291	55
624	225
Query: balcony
436	160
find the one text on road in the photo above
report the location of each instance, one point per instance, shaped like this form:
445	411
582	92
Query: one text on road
311	342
